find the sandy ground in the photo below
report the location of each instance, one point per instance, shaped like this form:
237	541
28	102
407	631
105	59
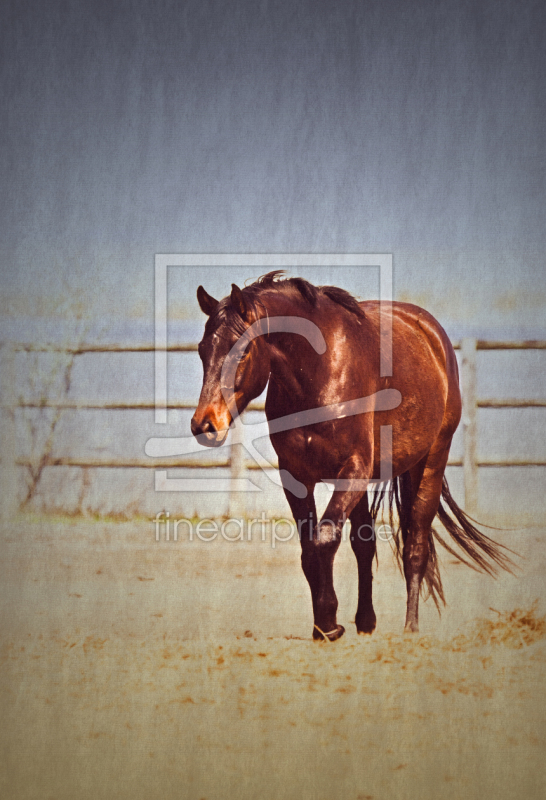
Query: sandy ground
137	669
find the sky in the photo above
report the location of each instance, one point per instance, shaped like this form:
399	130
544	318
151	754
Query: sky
135	128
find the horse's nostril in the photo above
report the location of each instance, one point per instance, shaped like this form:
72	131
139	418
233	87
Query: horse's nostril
204	427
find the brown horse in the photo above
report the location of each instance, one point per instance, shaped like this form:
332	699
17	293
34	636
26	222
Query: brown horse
344	446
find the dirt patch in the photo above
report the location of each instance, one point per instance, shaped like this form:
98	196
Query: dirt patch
201	685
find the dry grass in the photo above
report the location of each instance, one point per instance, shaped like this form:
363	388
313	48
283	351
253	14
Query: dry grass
512	628
113	689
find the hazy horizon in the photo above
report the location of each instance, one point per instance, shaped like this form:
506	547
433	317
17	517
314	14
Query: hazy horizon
414	129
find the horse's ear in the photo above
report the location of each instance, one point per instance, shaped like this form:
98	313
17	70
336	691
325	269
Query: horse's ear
207	304
239	303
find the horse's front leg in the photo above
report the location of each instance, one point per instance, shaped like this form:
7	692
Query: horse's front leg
322	547
364	546
305	516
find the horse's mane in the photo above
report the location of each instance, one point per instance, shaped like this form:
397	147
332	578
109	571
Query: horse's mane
298	288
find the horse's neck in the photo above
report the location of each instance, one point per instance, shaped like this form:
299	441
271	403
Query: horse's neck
293	359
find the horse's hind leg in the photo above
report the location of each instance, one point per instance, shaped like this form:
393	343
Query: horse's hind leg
426	490
363	544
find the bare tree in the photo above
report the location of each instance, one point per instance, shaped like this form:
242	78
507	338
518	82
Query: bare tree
47	386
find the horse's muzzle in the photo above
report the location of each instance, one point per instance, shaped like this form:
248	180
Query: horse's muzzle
206	434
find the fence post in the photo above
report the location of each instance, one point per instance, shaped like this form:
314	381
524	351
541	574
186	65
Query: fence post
237	506
470	461
8	467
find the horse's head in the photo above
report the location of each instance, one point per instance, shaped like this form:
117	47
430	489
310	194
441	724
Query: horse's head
235	365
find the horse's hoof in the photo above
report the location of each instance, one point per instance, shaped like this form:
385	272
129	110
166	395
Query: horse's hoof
410	628
365	630
329	636
365	627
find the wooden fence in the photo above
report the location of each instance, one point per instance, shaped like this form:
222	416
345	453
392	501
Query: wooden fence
237	463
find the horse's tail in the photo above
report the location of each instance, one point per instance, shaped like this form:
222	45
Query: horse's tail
482	553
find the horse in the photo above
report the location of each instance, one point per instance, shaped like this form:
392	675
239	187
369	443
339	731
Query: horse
260	335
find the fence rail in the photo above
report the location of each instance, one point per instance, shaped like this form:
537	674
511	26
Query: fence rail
191	347
236	463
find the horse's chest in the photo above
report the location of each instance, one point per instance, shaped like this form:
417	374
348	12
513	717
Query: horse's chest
312	450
